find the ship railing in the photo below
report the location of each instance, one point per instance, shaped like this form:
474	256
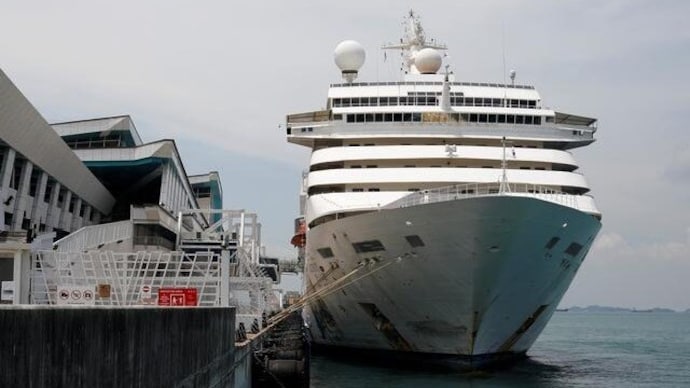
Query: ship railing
471	190
450	127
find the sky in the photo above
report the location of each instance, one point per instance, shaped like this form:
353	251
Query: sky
219	77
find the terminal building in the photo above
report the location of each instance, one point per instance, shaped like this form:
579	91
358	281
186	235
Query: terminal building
89	184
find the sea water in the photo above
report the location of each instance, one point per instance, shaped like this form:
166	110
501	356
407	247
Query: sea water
628	349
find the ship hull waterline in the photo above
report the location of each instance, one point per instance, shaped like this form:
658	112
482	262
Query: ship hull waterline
470	279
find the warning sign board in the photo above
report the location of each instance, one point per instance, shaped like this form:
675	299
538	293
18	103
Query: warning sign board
177	297
145	291
85	295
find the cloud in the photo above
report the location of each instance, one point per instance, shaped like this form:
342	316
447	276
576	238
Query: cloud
612	247
678	169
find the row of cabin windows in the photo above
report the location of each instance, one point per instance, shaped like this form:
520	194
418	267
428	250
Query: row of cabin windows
426	100
437	166
468	117
463	191
433	144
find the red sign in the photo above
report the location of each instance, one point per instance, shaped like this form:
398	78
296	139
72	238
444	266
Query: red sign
177	297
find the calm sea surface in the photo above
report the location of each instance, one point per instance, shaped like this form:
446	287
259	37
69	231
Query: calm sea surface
575	350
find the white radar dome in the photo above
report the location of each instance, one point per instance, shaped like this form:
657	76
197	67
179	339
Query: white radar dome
349	57
428	61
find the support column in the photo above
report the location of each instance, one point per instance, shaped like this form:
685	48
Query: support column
225	276
77	222
5	177
65	211
20	203
22	268
86	220
38	210
7	170
53	217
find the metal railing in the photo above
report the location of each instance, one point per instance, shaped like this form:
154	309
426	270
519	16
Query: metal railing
90	237
470	190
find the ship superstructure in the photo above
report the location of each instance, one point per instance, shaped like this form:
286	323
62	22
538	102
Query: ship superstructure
443	216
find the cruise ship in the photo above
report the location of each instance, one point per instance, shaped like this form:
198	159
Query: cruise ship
441	218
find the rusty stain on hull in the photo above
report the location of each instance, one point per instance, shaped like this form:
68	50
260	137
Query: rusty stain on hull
386	327
522	329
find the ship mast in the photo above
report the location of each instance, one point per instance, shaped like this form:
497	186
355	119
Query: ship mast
413	41
504	186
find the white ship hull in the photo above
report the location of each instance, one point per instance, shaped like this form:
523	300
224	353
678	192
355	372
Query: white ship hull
490	273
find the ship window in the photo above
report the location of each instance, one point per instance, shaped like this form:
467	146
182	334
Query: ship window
369	117
510	119
356	165
493	191
528	119
357	190
496	102
397	116
551	243
492	118
371	166
573	249
337	117
519	119
374	189
414	241
537	120
416	117
501	118
413	189
524	168
532	104
549	119
325	252
388	117
383	101
368	246
523	103
350	118
378	117
482	118
473	117
364	101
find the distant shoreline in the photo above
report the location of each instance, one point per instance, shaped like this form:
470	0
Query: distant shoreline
610	309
